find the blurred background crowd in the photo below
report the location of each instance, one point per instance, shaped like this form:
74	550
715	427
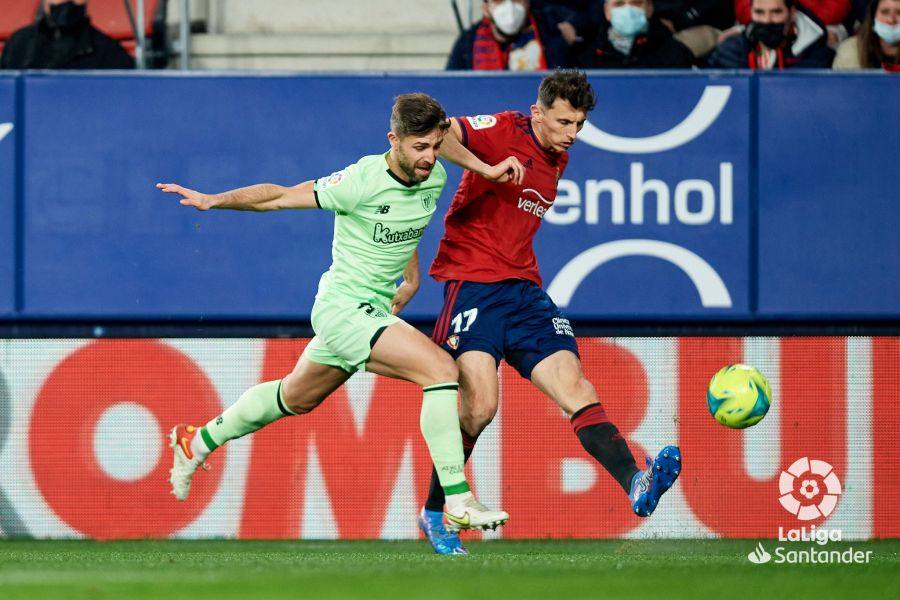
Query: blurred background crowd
481	35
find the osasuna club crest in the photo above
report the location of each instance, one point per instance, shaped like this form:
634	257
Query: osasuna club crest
428	199
453	341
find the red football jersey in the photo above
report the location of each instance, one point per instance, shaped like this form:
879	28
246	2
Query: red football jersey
489	229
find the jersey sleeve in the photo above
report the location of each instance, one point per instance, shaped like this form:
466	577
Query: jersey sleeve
341	191
484	134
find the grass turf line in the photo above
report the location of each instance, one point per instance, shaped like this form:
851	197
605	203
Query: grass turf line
520	570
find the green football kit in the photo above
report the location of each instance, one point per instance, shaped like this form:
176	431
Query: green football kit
379	220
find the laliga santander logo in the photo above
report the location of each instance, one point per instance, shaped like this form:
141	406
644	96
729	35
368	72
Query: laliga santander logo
709	284
809	489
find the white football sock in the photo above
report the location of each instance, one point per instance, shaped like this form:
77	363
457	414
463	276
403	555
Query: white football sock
198	447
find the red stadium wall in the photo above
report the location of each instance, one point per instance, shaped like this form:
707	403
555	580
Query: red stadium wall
82	424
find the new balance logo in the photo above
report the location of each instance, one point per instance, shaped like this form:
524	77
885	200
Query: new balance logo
383	209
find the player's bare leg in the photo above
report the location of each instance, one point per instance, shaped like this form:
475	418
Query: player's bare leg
298	393
403	352
560	376
309	384
480	391
479	394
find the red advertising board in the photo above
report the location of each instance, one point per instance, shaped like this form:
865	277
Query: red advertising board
83	427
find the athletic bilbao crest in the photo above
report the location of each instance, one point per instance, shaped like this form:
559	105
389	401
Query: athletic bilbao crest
428	200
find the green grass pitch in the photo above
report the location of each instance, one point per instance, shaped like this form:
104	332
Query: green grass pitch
549	570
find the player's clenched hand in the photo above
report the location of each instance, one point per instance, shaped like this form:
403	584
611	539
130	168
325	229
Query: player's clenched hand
188	197
404	294
509	169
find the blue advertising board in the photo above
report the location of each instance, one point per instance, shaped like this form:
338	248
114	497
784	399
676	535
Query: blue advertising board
658	190
829	188
689	196
8	172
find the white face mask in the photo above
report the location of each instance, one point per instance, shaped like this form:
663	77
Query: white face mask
508	16
889	33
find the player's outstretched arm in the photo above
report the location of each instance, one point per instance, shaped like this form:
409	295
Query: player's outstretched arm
263	196
409	287
452	149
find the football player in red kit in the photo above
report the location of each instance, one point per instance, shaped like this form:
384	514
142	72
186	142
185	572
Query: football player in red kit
494	306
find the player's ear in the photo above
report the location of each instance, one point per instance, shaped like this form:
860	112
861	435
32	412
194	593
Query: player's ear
536	113
393	139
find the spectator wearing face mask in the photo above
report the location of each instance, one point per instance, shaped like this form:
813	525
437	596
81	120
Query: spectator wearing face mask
510	37
63	38
633	38
877	43
835	14
780	36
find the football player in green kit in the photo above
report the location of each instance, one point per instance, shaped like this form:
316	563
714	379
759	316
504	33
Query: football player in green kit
382	205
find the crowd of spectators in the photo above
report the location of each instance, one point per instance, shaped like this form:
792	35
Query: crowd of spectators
533	35
530	35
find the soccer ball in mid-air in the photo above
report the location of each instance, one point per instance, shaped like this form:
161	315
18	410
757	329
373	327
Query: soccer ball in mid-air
738	396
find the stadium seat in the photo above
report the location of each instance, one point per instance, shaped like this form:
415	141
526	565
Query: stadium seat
111	17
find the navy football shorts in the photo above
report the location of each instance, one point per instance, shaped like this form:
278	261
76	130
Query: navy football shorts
513	319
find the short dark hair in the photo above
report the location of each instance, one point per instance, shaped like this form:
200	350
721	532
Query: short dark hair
417	114
569	84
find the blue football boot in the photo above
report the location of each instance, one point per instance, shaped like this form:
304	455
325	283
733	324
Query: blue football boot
648	486
444	542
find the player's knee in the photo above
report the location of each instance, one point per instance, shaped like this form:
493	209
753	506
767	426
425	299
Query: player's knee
298	401
581	388
571	393
477	418
575	397
442	369
582	392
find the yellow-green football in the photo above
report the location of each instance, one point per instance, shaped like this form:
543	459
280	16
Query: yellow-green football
738	396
